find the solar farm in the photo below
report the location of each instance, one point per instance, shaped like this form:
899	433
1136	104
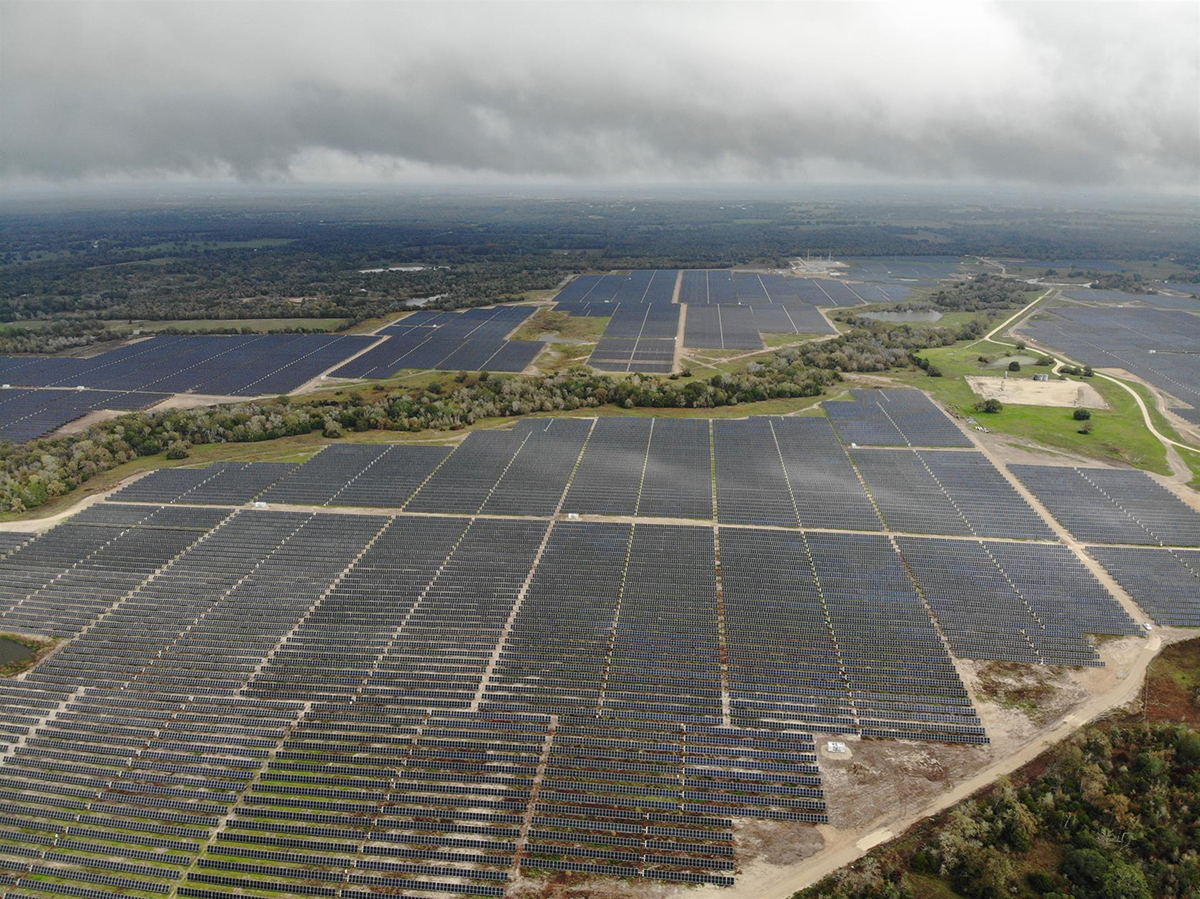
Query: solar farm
720	309
1157	345
449	341
45	392
587	646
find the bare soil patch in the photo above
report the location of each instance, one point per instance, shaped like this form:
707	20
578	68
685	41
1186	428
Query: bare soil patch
776	842
196	400
79	425
884	776
1027	392
581	886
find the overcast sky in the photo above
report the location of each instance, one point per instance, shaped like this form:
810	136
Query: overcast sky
1055	94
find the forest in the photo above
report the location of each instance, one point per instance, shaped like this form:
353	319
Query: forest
1109	814
199	258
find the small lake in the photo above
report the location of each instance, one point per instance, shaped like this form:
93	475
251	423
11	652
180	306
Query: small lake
12	652
930	316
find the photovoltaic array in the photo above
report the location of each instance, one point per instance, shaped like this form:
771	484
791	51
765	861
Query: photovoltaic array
27	414
475	340
905	269
639	337
725	310
1161	346
605	291
1164	582
577	645
1157	300
1104	505
893	418
725	287
244	365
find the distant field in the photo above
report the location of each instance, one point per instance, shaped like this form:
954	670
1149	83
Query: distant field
185	245
163	248
253	324
1119	434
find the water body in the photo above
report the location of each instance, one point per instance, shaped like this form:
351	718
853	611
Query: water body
931	316
12	652
393	268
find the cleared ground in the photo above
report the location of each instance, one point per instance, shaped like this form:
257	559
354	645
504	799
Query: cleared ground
1068	394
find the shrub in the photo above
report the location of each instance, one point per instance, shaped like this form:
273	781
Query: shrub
990	405
1087	428
1082	414
1041	882
178	450
1014	365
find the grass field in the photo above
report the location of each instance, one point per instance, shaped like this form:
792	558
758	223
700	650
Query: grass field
370	389
1118	433
776	341
559	324
189	245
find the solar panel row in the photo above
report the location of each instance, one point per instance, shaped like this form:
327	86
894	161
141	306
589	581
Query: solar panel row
219	365
1030	604
222	483
724	287
639	337
1166	583
1154	344
337	704
27	414
474	340
1104	505
905	417
638	286
721	327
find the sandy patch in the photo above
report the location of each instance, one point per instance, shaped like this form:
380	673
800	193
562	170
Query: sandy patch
196	400
1026	392
79	425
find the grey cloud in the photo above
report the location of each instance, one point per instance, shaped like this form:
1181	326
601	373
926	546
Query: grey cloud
1057	94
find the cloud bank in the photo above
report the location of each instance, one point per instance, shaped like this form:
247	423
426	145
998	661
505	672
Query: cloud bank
1097	95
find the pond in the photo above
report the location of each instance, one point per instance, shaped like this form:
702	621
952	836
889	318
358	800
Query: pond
1003	361
931	315
12	652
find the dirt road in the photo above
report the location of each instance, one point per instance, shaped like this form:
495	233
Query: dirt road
842	847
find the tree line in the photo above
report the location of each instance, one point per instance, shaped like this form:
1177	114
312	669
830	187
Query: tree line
1113	816
32	473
